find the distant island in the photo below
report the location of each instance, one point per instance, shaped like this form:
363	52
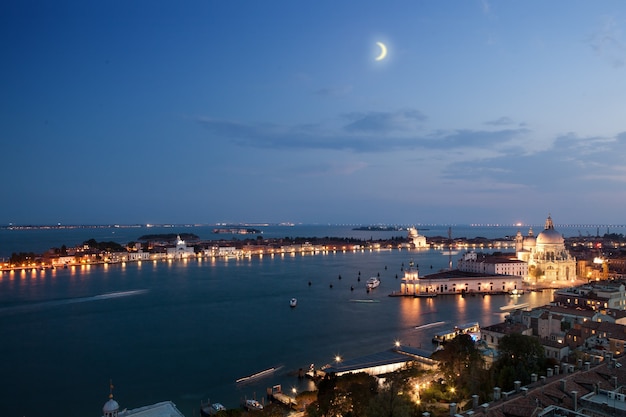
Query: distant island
168	237
380	228
236	231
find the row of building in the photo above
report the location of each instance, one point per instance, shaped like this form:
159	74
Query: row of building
541	259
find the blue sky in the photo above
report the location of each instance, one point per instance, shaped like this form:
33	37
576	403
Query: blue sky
248	111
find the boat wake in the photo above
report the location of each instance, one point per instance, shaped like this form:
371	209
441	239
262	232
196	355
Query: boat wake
429	325
256	375
514	307
55	303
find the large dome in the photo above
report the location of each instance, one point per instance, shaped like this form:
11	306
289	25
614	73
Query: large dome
550	237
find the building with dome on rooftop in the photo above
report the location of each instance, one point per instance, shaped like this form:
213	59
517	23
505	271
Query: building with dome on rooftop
547	258
163	409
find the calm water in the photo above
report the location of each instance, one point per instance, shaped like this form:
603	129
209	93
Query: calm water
185	331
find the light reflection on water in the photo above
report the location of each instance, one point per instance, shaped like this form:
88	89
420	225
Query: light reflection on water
202	324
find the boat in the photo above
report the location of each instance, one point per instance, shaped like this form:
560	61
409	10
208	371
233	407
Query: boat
252	405
372	283
210	409
293	302
425	295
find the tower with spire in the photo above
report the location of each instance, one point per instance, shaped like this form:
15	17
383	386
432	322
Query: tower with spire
111	407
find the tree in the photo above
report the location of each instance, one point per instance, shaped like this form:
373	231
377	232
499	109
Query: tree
393	399
345	395
461	363
519	357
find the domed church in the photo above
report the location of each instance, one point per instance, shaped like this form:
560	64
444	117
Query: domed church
547	258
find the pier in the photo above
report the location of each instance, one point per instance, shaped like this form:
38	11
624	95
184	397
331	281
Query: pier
276	393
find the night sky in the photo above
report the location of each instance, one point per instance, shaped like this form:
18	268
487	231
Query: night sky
278	111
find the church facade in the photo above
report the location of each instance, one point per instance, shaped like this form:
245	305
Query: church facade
547	258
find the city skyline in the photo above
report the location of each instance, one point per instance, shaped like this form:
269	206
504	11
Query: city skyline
209	112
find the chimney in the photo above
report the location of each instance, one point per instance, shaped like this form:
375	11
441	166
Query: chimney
587	366
524	391
575	400
614	381
579	363
533	378
425	414
543	380
517	385
485	407
549	372
557	368
563	385
452	409
474	401
496	393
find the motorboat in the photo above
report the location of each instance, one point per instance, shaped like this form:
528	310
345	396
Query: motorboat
210	409
372	283
293	302
252	405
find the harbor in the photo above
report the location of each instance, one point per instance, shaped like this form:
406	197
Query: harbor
203	316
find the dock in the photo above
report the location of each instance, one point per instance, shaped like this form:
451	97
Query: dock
276	393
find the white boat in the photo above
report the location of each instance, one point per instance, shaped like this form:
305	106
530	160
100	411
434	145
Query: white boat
372	283
210	409
293	302
252	405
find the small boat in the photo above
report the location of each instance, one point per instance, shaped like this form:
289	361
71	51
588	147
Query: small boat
293	302
372	283
425	295
252	405
210	409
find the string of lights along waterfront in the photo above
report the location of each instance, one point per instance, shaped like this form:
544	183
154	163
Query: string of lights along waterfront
185	331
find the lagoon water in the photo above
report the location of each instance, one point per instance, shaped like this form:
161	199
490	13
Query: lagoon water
185	331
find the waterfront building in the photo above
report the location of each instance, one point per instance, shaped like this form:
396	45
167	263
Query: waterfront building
384	362
181	250
492	264
417	240
457	282
166	408
547	258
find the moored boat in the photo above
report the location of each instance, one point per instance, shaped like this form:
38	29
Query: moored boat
293	302
210	409
372	283
252	405
425	295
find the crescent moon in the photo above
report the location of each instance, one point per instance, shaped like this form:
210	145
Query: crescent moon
383	51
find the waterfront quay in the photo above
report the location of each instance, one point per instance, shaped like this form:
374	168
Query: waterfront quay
167	251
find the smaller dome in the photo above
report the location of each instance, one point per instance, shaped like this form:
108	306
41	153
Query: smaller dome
110	406
530	241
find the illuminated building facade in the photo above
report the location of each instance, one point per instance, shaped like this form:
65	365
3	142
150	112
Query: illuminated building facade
547	258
